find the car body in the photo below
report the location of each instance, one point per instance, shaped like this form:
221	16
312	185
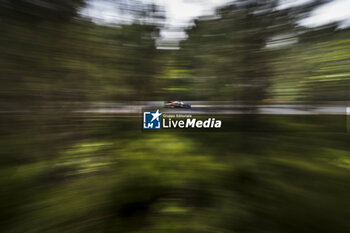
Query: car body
176	104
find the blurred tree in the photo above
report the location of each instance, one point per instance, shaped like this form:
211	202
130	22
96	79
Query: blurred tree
229	53
316	67
49	58
56	10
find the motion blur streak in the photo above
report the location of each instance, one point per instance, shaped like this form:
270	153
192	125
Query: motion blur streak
74	157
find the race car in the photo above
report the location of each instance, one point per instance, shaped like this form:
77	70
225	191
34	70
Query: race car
176	104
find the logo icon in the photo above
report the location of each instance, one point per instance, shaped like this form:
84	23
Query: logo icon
151	120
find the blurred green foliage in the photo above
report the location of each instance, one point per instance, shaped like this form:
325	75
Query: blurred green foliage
179	182
50	61
64	172
249	51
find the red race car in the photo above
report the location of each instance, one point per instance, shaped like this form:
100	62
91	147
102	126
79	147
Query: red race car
176	104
